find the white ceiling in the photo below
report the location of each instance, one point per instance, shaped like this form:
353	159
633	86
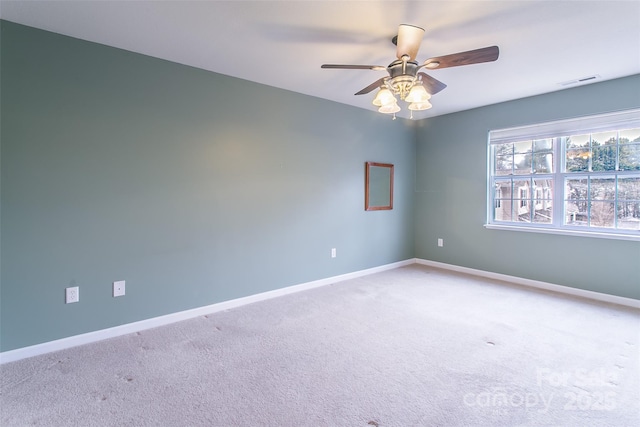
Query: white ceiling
283	43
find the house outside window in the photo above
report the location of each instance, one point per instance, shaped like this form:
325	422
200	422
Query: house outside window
578	176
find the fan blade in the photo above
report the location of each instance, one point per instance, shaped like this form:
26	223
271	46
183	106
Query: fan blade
408	41
372	86
486	54
354	67
432	85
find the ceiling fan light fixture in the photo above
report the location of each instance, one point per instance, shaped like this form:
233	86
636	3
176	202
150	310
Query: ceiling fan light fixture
389	108
405	81
419	106
417	94
384	97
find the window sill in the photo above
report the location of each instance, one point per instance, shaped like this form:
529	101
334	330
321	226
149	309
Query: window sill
565	232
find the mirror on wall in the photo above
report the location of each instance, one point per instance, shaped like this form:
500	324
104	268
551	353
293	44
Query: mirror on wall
378	193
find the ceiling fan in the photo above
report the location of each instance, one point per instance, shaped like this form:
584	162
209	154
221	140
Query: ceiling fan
405	80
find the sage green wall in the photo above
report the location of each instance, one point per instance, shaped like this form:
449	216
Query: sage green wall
451	197
118	166
193	187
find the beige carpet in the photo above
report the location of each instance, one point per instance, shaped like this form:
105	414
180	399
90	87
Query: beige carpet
414	346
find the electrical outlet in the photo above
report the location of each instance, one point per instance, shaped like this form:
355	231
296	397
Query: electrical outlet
118	288
72	295
333	252
440	243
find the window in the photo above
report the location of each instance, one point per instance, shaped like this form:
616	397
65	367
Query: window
572	176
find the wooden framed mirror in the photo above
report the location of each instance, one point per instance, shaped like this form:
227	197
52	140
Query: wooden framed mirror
378	183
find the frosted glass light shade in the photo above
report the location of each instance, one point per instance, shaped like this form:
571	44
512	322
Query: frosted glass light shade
389	108
418	94
384	97
419	106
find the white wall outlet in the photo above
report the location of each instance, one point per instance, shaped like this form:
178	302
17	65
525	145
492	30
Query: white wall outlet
440	243
333	252
71	295
118	288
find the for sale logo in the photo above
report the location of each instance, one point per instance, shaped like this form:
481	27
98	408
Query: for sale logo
578	390
588	390
500	398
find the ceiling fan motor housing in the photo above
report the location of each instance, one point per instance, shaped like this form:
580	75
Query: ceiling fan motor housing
402	76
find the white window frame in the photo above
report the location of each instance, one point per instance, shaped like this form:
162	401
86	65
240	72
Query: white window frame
556	130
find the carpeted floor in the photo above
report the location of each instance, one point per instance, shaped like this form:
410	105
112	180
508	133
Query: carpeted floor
414	346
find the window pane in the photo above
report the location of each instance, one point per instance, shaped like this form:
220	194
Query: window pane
603	188
503	165
629	203
602	214
577	189
629	157
576	205
629	135
576	141
576	213
543	162
521	201
577	160
543	144
604	138
522	158
629	214
542	202
629	188
522	164
522	147
503	213
603	158
503	149
502	202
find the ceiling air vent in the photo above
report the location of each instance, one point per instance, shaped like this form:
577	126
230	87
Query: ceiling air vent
581	80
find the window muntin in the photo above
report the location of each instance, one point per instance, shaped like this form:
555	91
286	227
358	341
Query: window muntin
591	201
595	186
523	200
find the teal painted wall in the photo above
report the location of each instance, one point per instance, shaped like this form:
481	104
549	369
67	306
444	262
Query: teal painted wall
451	197
118	166
193	187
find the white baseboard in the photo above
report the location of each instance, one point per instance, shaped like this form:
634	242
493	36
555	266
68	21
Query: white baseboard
76	340
629	302
89	337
